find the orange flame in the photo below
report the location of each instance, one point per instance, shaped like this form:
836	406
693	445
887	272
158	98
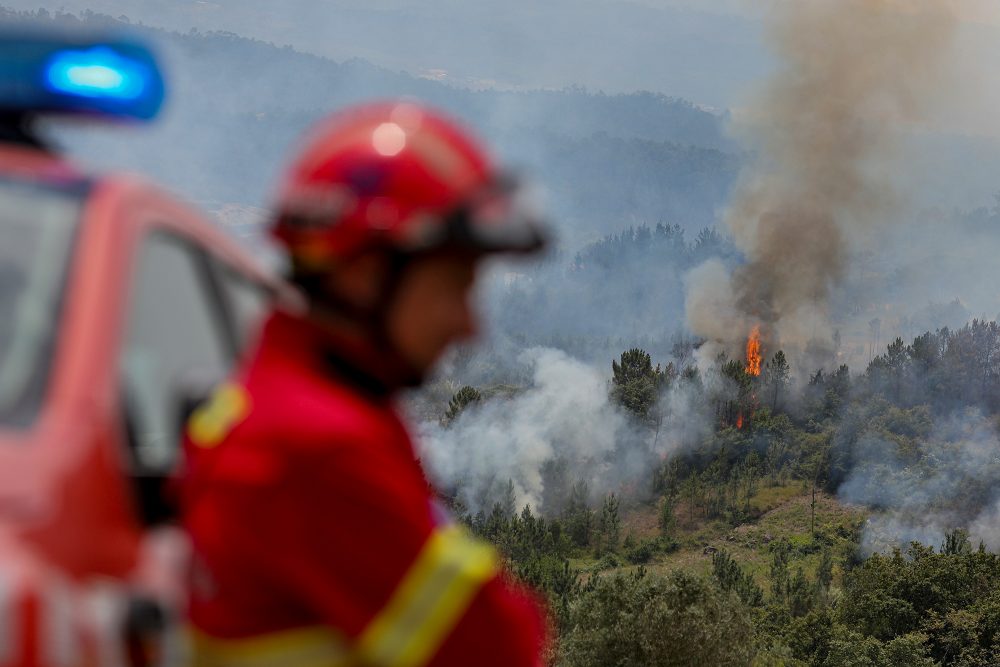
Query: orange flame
739	420
754	358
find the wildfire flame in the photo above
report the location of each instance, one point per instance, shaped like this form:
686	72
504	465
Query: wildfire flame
754	358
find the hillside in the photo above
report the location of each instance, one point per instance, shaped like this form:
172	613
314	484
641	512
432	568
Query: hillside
611	45
238	106
849	519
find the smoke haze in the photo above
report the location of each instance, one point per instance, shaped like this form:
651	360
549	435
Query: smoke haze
851	74
949	482
560	430
564	414
824	218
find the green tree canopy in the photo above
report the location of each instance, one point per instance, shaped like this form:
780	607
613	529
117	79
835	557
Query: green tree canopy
636	384
640	619
460	401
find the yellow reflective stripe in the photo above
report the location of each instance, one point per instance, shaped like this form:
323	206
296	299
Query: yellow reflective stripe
429	602
301	647
212	422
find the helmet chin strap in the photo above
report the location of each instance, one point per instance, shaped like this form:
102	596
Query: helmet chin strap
395	272
373	319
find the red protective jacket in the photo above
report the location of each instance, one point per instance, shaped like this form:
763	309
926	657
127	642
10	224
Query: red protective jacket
316	538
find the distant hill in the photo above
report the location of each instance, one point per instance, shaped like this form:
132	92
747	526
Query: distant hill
610	45
238	105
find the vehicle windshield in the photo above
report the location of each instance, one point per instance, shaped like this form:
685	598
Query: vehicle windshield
36	232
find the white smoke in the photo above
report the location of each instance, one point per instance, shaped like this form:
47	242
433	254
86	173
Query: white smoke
923	488
563	420
565	413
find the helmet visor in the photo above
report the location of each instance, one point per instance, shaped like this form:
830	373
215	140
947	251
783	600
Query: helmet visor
503	217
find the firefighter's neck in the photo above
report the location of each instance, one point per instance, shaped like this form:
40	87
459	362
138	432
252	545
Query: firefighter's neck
361	342
338	325
350	306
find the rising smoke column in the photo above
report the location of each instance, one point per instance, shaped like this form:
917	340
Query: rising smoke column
822	129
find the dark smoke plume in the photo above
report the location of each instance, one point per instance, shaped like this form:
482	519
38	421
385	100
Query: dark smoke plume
852	74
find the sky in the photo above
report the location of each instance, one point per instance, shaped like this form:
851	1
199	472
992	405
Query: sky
711	52
970	105
973	11
607	45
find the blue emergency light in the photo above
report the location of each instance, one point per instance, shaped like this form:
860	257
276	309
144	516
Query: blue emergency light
54	73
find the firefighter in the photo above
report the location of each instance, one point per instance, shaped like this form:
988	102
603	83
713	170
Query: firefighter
316	538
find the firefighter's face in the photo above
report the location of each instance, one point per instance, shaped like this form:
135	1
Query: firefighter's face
433	308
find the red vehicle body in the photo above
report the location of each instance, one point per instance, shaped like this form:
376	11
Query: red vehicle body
119	305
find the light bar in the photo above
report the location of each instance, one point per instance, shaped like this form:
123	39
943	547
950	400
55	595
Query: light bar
59	74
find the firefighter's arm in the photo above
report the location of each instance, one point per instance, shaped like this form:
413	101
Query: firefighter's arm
407	589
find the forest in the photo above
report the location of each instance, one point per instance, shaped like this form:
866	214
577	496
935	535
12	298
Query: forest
768	515
758	543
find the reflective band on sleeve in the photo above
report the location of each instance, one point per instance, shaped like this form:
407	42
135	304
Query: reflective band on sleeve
426	606
430	600
302	647
212	422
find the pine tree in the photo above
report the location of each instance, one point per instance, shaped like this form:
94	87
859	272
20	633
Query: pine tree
508	500
776	373
667	520
460	401
610	523
578	517
636	384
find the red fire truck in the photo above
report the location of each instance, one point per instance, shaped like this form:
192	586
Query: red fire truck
119	307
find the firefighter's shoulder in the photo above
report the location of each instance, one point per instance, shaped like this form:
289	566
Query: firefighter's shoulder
306	415
291	425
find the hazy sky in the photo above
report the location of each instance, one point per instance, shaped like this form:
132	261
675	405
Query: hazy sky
971	102
708	51
983	11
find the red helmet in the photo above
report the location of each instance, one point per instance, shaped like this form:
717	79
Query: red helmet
398	176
